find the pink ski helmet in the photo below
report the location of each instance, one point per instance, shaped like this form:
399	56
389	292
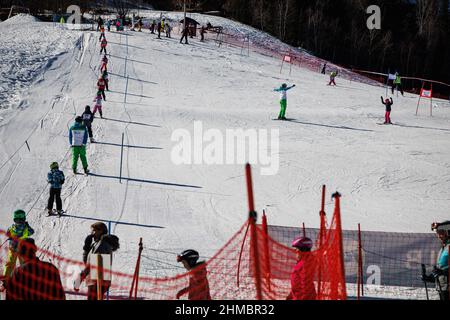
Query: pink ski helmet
302	243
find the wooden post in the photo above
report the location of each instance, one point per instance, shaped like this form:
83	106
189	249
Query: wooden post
360	280
431	100
99	277
121	159
420	96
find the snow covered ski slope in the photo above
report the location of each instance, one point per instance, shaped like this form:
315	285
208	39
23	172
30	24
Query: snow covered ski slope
392	178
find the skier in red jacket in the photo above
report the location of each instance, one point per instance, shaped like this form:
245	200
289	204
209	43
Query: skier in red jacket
302	276
101	85
103	45
198	288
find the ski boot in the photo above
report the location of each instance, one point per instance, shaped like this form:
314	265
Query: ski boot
86	171
60	212
75	171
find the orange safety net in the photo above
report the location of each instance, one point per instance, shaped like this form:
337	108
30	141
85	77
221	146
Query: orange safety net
250	266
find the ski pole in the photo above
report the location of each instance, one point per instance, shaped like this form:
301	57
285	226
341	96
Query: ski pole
423	275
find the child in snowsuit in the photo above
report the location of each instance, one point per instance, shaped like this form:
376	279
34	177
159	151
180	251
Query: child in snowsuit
283	99
168	30
152	27
397	83
98	104
101	85
103	45
106	78
388	104
88	118
198	288
102	34
332	76
302	276
78	138
56	179
18	231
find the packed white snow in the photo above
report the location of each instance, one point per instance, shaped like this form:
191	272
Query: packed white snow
392	178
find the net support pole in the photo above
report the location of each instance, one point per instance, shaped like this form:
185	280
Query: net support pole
253	233
360	267
337	215
99	277
420	96
138	264
431	100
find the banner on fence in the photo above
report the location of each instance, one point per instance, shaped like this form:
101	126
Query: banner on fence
389	258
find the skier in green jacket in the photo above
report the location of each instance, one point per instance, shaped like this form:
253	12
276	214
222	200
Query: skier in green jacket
283	99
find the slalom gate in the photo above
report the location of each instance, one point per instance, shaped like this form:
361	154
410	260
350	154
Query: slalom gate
250	266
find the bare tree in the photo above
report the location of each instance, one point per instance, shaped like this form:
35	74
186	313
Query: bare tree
122	7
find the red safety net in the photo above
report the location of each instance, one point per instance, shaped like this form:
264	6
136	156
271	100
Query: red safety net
250	265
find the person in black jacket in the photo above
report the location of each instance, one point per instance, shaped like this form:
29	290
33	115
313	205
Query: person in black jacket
88	118
388	103
35	279
98	242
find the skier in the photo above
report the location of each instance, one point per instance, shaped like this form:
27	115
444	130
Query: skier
104	65
105	77
185	34
98	104
152	27
397	84
388	103
78	138
202	33
88	118
333	75
439	274
140	24
302	276
168	30
103	45
18	231
101	85
98	242
118	25
34	279
158	28
324	68
56	179
108	25
283	99
163	24
198	288
99	23
102	34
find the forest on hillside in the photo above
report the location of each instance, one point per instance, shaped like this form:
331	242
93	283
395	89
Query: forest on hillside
414	38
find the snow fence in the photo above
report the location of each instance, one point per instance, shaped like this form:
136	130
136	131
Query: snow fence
250	266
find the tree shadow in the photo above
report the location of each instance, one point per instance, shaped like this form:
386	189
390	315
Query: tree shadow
113	221
128	146
330	126
132	122
119	75
121	44
419	127
130	94
138	61
146	181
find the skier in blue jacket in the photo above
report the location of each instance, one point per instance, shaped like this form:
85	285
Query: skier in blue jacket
56	179
283	99
439	274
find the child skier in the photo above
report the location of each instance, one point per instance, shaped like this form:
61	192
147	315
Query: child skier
333	75
106	78
198	288
388	104
18	231
88	118
102	34
98	104
283	99
104	65
56	179
101	85
103	44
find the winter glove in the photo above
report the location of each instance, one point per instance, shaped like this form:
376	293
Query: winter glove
437	272
427	278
